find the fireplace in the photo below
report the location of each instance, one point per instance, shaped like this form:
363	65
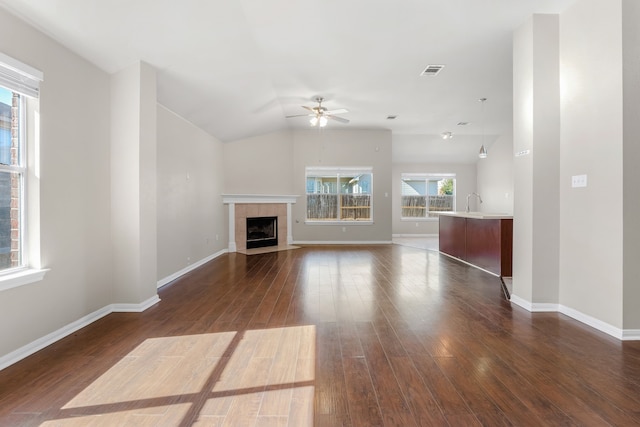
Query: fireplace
262	232
243	206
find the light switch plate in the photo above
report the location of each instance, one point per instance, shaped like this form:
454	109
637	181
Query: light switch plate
578	181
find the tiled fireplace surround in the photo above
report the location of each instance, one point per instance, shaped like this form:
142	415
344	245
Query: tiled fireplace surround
243	206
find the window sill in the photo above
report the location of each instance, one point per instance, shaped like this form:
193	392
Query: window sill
419	219
343	223
21	277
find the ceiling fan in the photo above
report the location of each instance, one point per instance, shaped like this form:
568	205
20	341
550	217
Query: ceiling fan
320	115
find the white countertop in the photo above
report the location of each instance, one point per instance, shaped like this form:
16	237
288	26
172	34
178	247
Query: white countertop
478	215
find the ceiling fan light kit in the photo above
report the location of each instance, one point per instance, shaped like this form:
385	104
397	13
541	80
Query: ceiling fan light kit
320	115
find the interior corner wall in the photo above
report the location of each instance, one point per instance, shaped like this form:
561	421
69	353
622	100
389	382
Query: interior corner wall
465	184
343	148
191	222
495	177
536	173
133	183
631	159
74	158
591	218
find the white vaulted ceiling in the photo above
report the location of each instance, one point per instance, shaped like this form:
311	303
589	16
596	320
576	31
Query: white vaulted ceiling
236	68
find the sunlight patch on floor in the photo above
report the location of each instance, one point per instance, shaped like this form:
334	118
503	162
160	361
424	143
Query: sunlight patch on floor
261	377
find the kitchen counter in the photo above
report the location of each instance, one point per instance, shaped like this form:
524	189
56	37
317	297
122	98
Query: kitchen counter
478	215
484	240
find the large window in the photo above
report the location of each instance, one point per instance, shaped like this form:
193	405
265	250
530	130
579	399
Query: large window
19	84
11	180
339	194
426	195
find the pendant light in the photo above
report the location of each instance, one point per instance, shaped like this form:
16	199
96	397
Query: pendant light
483	151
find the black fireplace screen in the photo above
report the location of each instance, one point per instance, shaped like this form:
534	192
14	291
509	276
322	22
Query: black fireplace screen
262	231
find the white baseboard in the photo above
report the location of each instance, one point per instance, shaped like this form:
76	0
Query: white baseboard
592	321
415	235
343	242
135	308
40	343
189	268
621	334
630	335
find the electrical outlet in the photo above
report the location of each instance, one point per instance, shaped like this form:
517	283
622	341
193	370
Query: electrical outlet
344	229
578	181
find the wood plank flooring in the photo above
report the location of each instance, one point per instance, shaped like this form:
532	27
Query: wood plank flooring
329	336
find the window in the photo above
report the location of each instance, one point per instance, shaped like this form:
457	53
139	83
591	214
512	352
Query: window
425	195
19	86
339	194
11	179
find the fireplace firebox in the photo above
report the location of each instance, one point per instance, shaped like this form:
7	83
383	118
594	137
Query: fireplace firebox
262	232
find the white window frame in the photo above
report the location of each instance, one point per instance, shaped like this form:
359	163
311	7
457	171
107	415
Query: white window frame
338	171
426	177
24	80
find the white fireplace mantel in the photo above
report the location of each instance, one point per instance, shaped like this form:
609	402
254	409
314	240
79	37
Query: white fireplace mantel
233	199
258	198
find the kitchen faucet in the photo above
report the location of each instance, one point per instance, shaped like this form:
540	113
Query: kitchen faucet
473	194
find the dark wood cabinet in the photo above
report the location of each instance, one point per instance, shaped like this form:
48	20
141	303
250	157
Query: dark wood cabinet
485	242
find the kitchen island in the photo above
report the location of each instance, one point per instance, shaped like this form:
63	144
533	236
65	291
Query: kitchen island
484	240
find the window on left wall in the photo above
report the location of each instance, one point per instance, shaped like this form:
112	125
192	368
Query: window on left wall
19	240
12	171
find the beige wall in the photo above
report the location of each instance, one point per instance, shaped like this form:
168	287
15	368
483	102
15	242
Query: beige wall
465	184
133	183
591	226
190	210
259	165
631	156
495	177
75	228
275	164
345	148
536	173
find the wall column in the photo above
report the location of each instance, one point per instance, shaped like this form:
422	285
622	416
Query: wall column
536	145
133	185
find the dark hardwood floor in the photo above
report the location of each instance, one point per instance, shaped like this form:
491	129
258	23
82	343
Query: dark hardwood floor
329	336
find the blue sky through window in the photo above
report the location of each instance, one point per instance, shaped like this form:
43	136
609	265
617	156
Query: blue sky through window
5	126
5	96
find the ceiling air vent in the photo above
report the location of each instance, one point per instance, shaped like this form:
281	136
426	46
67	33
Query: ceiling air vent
432	70
391	117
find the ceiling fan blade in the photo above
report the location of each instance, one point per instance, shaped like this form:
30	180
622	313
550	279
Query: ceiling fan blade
338	119
299	115
308	108
338	111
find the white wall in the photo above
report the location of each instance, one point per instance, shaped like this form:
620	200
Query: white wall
591	218
495	177
465	184
74	177
191	224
